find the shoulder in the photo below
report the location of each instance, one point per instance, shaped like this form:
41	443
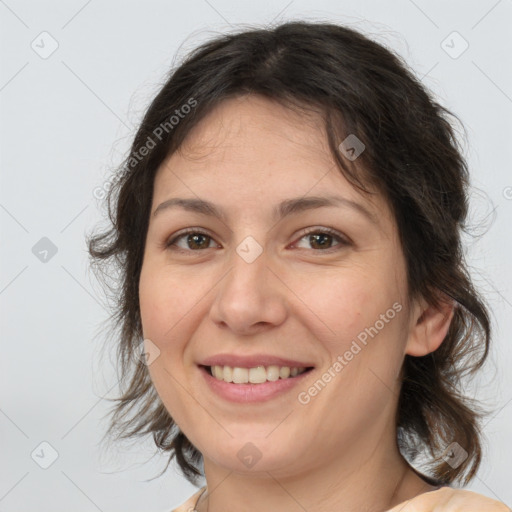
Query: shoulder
188	506
446	498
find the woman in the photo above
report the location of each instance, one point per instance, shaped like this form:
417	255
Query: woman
294	308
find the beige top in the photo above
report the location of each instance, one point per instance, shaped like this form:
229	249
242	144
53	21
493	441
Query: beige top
188	506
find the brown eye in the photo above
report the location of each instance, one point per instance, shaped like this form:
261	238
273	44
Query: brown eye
193	240
322	239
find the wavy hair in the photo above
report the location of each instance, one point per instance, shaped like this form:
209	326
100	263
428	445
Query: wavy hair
411	156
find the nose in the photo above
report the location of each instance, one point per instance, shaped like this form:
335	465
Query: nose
250	297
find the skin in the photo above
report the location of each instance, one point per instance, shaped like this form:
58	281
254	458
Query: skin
451	500
297	299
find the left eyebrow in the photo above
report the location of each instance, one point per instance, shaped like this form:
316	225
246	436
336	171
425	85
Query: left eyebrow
284	209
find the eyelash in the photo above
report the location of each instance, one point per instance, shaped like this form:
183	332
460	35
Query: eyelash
342	240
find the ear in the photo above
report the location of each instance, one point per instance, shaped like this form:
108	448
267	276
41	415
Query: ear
429	326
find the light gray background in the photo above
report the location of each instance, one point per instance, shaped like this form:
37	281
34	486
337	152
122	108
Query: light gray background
67	119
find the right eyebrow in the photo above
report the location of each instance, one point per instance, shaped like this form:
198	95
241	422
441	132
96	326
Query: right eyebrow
280	211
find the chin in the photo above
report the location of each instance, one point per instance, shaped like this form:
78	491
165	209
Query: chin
255	455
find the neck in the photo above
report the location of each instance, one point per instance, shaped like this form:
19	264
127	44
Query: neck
371	477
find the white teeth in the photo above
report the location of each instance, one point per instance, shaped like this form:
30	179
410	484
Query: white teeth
284	372
256	375
217	372
273	373
227	373
240	375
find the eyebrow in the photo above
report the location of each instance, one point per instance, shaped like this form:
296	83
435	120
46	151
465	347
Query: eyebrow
282	210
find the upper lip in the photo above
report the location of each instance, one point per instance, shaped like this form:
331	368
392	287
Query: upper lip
252	361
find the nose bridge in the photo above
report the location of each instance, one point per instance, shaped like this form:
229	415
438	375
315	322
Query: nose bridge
248	295
249	268
249	250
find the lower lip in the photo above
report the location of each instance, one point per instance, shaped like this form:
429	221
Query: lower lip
244	393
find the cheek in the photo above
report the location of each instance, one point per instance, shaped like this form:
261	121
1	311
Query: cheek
165	307
164	302
346	302
359	321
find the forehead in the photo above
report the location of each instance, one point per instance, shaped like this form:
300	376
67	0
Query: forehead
244	123
260	149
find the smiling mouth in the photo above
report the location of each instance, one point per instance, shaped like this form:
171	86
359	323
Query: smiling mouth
255	375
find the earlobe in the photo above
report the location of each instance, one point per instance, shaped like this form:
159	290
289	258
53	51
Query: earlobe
430	327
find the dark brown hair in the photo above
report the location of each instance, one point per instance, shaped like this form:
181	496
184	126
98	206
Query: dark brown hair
411	156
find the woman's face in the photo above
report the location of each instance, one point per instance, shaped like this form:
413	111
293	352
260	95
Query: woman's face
266	281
